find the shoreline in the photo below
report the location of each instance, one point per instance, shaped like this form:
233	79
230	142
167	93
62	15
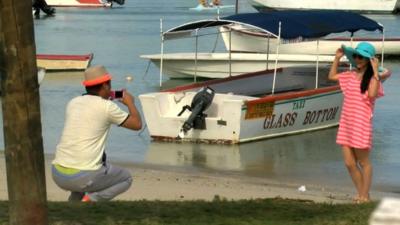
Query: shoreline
159	183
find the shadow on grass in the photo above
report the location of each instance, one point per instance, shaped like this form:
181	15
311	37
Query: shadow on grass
263	211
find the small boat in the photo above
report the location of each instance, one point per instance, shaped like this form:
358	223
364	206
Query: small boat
41	73
257	105
213	6
63	62
365	6
83	3
243	39
200	8
221	65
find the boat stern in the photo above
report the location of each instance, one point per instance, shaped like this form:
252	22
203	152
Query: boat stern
161	111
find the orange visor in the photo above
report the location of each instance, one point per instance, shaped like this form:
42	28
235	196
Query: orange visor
99	80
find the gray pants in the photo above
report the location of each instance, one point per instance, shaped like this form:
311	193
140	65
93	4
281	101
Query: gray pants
101	185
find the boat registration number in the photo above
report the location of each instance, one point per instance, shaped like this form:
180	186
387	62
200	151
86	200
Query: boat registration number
259	110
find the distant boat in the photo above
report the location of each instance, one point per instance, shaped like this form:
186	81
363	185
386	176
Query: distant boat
215	5
364	6
220	65
83	3
211	8
243	39
63	62
41	73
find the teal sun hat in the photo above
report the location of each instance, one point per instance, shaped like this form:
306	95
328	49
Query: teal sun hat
364	49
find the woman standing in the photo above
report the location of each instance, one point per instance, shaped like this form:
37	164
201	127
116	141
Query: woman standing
360	87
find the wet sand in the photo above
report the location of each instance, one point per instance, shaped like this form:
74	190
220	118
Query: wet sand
152	183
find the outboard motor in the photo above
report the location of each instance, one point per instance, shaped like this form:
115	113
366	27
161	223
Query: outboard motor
201	101
119	2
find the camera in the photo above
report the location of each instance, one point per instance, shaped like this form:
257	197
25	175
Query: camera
116	94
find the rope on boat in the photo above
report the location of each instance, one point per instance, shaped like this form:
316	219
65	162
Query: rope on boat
147	70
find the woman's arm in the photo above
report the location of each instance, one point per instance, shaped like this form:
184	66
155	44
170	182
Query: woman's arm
375	81
333	74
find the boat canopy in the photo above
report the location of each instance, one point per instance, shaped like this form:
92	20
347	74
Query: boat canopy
294	23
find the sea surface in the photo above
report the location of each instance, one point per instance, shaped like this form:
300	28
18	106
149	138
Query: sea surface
118	36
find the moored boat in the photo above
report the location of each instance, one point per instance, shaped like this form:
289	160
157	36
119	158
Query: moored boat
41	73
366	6
220	65
240	39
63	62
200	8
83	3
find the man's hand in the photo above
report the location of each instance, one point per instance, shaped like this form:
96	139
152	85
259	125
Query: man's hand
127	98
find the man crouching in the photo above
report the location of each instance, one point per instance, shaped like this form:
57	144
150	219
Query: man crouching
80	165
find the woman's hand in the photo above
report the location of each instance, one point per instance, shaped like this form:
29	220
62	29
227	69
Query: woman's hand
339	53
333	74
375	65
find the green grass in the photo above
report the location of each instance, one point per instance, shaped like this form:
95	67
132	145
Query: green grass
263	211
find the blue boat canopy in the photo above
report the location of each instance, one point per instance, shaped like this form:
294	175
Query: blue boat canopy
294	23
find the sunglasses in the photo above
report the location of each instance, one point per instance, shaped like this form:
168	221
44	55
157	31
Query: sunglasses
357	56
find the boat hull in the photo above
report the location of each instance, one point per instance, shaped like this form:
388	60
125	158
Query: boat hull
63	62
235	119
78	3
367	6
200	8
41	73
221	65
248	41
243	108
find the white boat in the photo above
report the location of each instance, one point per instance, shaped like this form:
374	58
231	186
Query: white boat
52	62
365	6
41	73
83	3
220	65
258	105
241	39
201	8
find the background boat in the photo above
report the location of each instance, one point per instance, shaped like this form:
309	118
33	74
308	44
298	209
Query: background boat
83	3
63	62
244	39
220	65
200	8
365	6
41	73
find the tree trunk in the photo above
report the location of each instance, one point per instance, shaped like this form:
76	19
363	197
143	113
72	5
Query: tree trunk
21	115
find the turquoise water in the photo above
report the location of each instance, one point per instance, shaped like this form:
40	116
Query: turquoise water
118	36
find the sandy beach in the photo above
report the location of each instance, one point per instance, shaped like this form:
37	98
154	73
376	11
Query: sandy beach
153	183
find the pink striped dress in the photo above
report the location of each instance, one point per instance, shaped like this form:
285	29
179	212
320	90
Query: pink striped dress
355	126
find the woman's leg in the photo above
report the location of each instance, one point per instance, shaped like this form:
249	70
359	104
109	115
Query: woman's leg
350	162
362	156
